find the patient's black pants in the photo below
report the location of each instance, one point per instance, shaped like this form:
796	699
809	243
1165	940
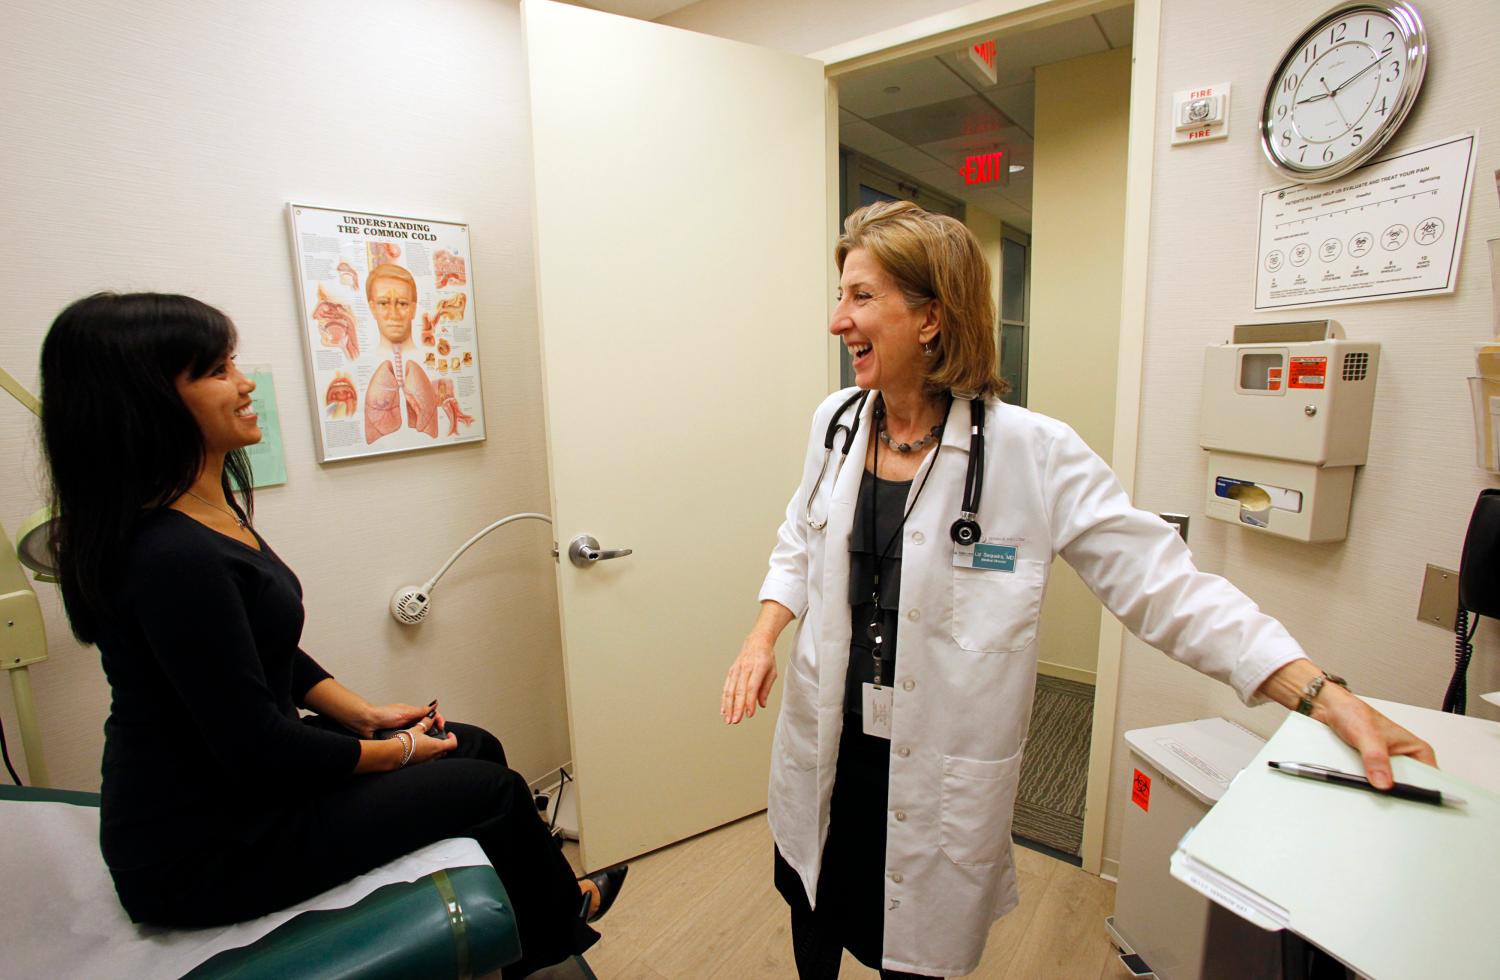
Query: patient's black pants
306	846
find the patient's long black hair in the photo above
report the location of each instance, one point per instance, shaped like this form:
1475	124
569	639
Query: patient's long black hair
118	439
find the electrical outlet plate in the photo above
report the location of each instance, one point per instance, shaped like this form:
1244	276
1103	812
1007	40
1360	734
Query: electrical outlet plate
1439	603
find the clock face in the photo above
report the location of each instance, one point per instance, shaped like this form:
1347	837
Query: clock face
1342	89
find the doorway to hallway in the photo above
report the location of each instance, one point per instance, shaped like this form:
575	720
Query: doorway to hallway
913	127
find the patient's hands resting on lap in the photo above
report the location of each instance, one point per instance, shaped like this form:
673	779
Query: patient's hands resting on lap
385	754
398	715
333	700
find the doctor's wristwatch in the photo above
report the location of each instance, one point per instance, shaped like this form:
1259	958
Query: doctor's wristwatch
1314	686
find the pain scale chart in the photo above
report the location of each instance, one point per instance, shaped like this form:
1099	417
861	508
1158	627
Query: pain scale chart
1389	230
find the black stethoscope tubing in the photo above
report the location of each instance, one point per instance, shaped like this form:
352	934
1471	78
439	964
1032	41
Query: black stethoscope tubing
965	530
828	439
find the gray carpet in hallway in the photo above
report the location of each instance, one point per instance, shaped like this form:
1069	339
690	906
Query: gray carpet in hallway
1054	771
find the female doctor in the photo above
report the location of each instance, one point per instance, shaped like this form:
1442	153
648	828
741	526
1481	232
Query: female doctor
895	764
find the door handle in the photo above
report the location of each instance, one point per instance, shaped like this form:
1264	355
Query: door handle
584	551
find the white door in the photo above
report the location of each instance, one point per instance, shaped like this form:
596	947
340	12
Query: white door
682	278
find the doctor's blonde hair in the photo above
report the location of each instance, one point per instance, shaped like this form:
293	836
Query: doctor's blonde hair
935	257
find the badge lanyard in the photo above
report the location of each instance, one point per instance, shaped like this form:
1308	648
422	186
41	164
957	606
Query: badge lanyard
873	631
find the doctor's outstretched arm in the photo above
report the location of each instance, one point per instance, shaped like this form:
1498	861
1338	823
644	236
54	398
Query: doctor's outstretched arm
754	671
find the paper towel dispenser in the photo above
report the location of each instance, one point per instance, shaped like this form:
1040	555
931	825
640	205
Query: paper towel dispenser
1286	419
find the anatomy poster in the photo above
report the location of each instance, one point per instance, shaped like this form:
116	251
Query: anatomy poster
388	321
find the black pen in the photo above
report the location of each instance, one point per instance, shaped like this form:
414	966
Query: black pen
1401	791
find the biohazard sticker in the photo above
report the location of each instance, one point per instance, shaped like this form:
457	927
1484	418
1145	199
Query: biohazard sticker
1140	790
1308	372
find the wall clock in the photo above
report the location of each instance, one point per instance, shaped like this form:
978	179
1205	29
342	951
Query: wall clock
1343	88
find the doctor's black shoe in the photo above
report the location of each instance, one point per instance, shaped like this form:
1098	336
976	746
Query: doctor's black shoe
609	881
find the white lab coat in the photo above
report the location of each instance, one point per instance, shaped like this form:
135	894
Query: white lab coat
968	656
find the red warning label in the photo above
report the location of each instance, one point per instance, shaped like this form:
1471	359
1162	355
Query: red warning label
1140	790
1308	372
1273	379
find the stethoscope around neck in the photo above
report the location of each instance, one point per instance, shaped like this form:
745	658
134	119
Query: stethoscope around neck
966	530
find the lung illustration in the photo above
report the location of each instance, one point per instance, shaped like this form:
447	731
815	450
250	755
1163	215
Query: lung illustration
383	402
421	400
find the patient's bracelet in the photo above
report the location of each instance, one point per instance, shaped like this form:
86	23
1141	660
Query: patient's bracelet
410	743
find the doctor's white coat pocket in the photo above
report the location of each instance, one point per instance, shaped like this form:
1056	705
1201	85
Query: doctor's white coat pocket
997	612
978	800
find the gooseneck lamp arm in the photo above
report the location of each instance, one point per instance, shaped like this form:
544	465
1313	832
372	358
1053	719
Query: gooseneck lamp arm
23	641
19	393
410	604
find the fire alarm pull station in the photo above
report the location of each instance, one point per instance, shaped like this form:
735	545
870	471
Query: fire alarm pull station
1286	419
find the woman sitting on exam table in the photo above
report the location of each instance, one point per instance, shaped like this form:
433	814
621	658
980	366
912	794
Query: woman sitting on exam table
894	773
219	803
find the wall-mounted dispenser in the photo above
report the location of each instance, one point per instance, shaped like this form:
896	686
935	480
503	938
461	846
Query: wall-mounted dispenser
1286	419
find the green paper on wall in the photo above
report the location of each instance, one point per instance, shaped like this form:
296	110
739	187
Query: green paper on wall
267	460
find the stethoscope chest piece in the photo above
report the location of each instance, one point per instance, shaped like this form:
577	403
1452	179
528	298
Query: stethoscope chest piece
965	532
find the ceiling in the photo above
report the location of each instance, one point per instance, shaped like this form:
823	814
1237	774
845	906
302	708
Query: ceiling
924	118
639	9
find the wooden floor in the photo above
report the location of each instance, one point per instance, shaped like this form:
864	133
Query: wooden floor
706	908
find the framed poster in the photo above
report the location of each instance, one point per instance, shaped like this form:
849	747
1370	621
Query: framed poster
388	329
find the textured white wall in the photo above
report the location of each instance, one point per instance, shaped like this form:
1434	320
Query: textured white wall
155	146
1352	604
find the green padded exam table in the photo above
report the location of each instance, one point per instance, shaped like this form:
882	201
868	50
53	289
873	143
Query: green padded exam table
437	912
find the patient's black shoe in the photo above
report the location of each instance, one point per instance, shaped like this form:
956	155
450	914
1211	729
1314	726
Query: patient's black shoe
609	881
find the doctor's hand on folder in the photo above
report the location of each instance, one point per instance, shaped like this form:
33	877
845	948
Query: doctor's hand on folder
1369	732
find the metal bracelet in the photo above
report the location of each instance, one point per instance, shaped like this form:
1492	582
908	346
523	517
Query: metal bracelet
411	743
1314	688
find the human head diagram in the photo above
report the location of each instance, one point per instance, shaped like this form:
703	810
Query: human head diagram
392	293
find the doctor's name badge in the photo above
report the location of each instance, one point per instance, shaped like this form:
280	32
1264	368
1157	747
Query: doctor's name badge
987	557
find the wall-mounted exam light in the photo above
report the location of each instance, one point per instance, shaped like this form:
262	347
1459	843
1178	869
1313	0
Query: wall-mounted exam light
410	604
23	641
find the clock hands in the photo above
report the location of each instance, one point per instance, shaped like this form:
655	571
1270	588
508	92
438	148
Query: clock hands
1324	82
1350	80
1333	92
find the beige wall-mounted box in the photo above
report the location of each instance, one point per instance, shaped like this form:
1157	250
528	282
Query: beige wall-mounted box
1285	418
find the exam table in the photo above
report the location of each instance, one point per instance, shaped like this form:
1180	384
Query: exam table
437	912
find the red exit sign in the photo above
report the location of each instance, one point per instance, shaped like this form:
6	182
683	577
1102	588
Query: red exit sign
984	169
981	58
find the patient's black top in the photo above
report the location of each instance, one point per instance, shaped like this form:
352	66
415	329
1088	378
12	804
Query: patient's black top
203	660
